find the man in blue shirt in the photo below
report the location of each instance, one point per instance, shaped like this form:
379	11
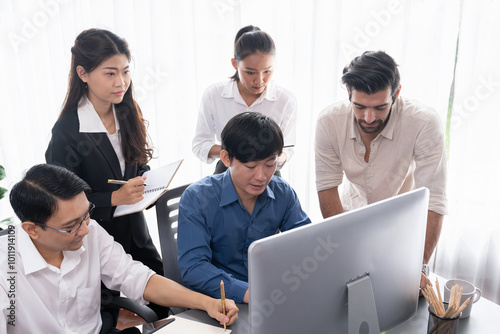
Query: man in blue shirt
221	215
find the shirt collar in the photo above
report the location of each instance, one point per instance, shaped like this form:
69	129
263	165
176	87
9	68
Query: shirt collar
229	194
388	131
33	261
89	119
231	91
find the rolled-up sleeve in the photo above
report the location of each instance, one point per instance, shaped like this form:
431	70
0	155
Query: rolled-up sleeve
204	137
119	271
329	170
430	164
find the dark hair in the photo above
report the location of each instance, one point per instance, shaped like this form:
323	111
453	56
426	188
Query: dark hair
372	72
251	136
35	197
251	40
91	48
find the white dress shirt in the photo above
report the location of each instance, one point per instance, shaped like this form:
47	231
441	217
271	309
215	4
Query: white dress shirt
408	153
90	122
222	101
55	300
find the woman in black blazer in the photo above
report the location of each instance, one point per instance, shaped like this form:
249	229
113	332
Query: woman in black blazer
101	135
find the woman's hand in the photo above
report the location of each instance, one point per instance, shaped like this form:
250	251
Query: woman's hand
130	193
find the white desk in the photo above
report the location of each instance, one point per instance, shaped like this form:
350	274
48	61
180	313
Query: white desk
485	318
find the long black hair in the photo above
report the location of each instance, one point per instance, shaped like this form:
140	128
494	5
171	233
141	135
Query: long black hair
91	48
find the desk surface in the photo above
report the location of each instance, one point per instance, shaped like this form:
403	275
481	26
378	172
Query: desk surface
485	318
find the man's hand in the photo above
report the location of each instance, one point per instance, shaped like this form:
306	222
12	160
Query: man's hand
214	309
246	297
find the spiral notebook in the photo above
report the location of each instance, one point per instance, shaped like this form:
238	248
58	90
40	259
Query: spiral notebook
158	181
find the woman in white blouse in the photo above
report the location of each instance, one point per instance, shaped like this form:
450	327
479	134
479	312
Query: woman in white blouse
249	89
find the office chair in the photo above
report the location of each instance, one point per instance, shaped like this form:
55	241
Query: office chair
167	208
112	302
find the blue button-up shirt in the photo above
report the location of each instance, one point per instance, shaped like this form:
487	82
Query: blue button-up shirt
215	231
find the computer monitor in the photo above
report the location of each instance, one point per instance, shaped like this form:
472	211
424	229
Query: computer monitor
298	279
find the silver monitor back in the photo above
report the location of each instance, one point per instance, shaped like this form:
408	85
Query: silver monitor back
297	279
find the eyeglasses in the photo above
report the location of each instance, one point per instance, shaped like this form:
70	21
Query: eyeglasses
75	227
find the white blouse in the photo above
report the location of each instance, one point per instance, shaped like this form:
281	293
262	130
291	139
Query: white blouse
90	122
223	100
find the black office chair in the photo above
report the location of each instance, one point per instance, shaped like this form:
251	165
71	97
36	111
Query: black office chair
167	208
111	302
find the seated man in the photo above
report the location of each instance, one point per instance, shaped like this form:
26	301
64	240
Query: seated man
53	284
383	143
221	215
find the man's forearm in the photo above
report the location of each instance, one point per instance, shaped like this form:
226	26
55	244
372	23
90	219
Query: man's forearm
329	202
163	291
434	224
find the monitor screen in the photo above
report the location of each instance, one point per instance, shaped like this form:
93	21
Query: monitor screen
298	279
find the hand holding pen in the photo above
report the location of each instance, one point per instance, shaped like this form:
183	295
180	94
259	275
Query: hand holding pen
131	192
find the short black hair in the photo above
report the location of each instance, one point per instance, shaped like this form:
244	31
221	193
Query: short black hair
251	136
35	197
371	72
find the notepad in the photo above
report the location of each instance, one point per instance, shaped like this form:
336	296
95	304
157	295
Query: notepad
183	326
158	181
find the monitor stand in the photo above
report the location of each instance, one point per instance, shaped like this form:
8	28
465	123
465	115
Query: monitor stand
361	309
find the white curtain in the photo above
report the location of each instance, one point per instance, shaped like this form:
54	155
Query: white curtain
470	244
180	47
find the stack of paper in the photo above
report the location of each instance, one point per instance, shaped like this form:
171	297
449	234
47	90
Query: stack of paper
183	326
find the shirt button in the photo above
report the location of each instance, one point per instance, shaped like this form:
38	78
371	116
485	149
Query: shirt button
63	301
249	109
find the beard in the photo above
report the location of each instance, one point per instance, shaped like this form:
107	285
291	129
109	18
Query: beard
374	128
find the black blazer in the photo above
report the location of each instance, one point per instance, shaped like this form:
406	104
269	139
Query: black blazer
92	157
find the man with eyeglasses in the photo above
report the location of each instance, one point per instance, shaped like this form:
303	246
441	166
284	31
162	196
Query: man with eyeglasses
379	144
54	283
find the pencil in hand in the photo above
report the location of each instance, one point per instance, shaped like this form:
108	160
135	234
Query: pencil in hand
111	181
223	299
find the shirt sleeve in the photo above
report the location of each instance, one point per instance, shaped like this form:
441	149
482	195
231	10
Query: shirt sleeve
141	169
288	125
64	151
204	137
118	270
329	170
294	216
430	164
195	254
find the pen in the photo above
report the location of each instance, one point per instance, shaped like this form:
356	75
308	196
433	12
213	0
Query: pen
121	182
223	299
286	146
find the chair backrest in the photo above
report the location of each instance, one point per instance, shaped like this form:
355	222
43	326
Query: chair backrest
167	208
